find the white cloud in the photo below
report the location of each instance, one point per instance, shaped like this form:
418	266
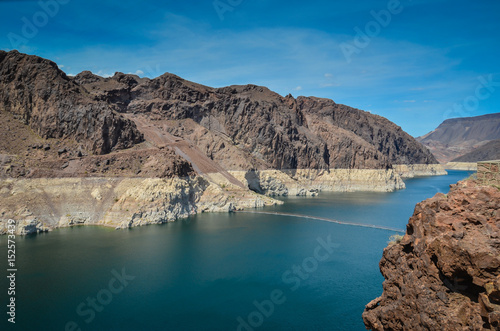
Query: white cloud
298	88
137	73
104	74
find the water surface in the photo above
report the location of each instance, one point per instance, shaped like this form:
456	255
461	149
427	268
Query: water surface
212	271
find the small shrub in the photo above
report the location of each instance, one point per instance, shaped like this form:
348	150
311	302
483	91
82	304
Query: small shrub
395	239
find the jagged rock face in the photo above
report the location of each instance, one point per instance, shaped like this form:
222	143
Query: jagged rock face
251	117
270	131
43	97
24	154
388	139
445	272
236	127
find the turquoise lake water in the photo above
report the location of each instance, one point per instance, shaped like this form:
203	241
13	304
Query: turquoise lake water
215	271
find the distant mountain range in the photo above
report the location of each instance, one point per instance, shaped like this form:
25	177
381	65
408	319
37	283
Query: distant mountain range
489	151
455	138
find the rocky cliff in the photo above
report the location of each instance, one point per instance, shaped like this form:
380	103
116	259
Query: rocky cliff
445	272
251	127
36	92
237	127
458	136
237	138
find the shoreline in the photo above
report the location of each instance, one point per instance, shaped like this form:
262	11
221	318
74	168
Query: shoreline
465	166
43	204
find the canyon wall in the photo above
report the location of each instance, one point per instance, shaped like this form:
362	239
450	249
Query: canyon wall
37	93
165	148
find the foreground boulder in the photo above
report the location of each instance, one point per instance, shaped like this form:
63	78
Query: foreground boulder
445	272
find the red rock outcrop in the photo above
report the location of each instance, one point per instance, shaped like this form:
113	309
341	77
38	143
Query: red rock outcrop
445	272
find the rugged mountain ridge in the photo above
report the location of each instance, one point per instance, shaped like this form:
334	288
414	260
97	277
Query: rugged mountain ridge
270	131
250	122
458	136
388	139
44	98
445	272
218	145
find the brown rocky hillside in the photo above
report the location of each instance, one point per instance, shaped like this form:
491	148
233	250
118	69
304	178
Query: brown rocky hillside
458	136
168	125
487	152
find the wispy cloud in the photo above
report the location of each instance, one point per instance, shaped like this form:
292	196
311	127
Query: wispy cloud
137	73
265	56
270	46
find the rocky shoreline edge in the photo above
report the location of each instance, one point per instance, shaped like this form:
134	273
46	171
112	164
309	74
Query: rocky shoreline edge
43	204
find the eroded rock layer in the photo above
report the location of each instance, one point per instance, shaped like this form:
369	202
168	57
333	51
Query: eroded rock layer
42	204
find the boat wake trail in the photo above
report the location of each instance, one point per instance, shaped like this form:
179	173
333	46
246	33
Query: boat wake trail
324	219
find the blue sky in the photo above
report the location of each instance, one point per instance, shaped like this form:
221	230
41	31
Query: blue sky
415	62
